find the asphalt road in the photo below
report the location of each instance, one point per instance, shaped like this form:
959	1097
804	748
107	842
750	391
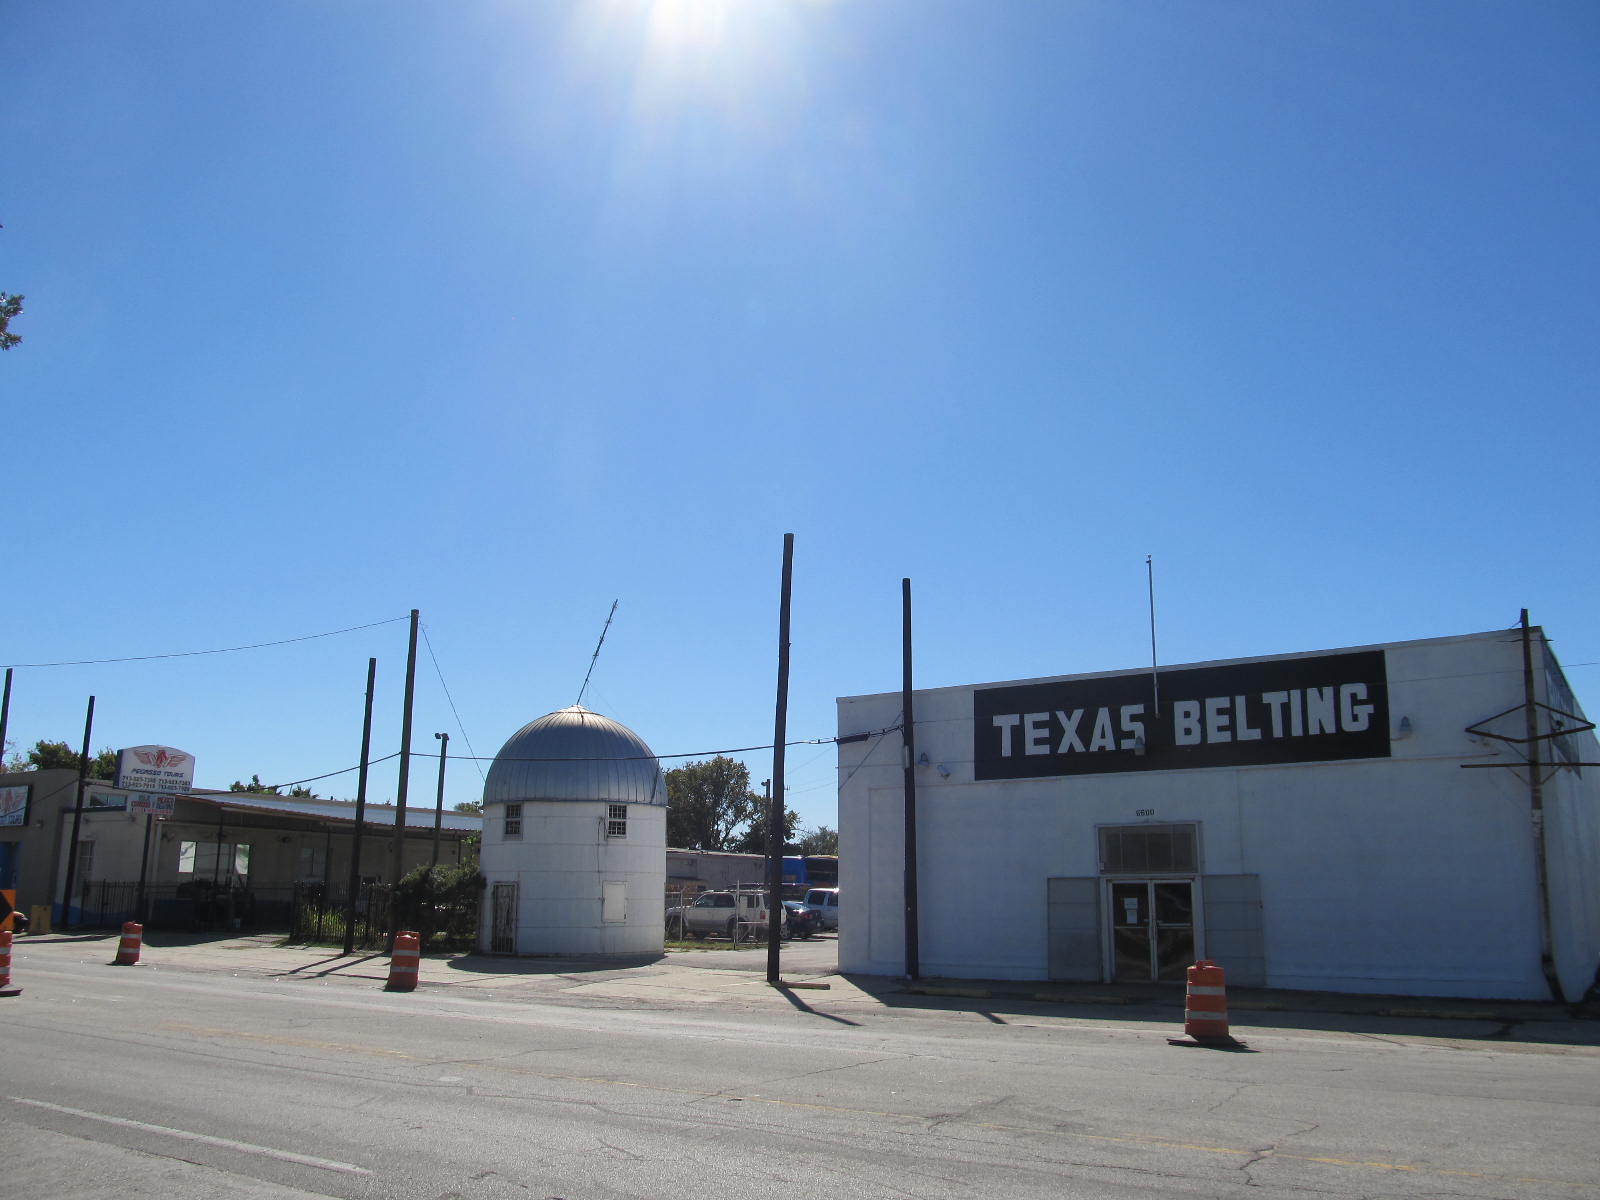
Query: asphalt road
222	1084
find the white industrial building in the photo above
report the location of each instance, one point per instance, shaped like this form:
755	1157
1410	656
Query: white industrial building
1357	820
574	840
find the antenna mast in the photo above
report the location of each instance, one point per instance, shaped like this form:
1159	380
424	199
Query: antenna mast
1155	680
596	654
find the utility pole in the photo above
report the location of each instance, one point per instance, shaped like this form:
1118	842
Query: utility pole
361	817
438	803
5	716
908	751
401	787
780	732
77	820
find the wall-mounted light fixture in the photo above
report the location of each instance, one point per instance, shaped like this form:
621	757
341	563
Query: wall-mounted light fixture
1404	730
944	771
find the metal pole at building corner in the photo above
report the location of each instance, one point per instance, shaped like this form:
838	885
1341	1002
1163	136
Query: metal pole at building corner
908	742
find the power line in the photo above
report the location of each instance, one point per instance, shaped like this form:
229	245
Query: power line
93	662
451	700
854	737
371	762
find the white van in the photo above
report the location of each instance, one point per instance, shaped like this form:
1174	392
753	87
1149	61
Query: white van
825	903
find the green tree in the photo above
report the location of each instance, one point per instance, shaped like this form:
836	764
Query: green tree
820	840
468	806
754	839
709	804
441	903
255	785
10	306
50	756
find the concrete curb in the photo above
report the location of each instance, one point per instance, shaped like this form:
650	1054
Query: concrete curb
1248	1000
731	978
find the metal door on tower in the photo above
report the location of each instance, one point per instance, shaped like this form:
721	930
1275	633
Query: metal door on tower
503	919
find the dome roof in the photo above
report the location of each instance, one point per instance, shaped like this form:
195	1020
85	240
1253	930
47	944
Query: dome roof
575	755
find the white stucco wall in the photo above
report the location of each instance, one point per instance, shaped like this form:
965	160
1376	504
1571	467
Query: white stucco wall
1572	855
560	866
1406	875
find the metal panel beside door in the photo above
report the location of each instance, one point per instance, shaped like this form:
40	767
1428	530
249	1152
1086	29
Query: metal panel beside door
503	919
1235	930
1074	929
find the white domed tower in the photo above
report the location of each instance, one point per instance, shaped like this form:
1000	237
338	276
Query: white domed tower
574	840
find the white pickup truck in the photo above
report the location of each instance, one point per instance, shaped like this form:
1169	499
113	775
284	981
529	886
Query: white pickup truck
737	915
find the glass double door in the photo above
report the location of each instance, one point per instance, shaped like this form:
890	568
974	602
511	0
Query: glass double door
1152	930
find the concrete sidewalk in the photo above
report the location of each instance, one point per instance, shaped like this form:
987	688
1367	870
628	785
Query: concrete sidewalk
736	977
723	976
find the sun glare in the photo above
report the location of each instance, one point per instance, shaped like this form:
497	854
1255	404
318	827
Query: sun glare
682	24
716	53
712	86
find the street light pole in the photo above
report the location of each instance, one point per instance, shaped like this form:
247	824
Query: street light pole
438	804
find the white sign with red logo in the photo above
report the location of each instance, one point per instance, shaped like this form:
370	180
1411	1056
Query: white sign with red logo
14	805
159	770
161	806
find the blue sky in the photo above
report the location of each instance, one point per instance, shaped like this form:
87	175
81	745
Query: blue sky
504	311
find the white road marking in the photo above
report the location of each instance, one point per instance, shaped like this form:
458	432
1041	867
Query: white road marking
325	1164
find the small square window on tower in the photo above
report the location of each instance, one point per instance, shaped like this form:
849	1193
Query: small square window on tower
616	820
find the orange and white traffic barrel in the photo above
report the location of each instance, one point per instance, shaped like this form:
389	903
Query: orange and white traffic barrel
1205	1009
128	948
404	963
5	965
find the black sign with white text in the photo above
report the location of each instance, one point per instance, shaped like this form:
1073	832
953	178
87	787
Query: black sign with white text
1317	709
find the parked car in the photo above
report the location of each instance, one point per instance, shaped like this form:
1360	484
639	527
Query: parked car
736	915
799	921
824	902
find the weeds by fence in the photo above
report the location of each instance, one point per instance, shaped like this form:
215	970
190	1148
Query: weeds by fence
440	904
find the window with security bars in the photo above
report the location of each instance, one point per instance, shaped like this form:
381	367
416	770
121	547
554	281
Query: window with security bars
313	864
85	860
220	862
616	820
513	821
1148	850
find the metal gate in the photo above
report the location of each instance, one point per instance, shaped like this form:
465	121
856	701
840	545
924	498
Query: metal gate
503	919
